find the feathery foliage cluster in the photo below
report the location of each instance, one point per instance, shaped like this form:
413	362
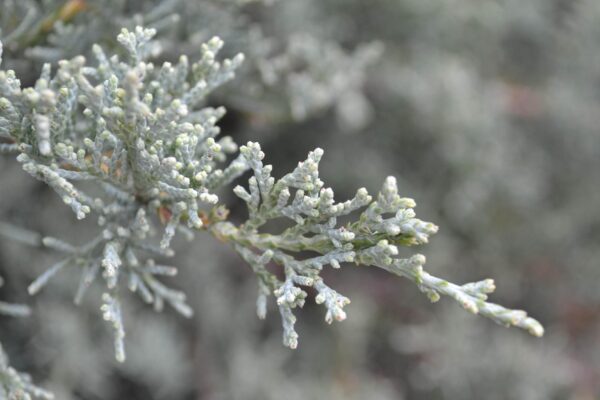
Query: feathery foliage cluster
134	145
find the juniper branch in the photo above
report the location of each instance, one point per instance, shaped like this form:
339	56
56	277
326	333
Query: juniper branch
142	133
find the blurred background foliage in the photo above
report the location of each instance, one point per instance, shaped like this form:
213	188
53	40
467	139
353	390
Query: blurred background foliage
488	112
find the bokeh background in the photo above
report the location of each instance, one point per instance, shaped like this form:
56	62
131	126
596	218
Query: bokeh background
487	112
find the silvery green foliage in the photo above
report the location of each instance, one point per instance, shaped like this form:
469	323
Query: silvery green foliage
146	142
139	136
15	384
372	240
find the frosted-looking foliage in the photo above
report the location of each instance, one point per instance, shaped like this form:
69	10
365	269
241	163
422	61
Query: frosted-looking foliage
471	161
131	143
371	240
